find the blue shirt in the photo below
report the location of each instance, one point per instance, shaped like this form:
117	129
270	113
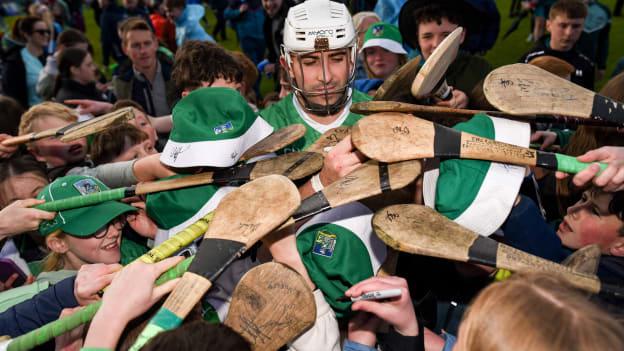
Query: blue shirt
33	67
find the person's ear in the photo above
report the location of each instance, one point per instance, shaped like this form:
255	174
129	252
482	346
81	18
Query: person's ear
73	70
123	48
185	92
56	244
548	24
617	248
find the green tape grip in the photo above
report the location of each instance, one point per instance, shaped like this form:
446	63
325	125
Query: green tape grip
83	201
571	165
162	321
51	330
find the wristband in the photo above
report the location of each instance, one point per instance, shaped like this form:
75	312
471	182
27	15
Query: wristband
317	185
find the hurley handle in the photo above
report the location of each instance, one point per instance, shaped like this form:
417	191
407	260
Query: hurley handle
571	165
19	140
85	200
51	330
177	242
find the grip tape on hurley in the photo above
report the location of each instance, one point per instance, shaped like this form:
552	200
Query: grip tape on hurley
83	201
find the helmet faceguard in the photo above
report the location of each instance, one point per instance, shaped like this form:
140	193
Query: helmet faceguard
325	28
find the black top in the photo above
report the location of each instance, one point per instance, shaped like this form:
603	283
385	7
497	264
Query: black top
71	89
14	76
584	73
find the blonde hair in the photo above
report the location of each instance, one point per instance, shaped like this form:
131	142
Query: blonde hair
45	109
359	17
54	261
536	312
553	65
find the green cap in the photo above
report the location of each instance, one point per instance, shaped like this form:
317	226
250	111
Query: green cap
385	35
82	221
212	127
478	195
339	249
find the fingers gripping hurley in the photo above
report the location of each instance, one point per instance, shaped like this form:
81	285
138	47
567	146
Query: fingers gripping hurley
329	139
242	218
275	141
420	230
76	130
166	249
430	79
372	178
391	137
399	82
526	89
271	306
51	330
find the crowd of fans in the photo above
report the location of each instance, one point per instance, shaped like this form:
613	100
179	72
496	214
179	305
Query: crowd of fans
198	106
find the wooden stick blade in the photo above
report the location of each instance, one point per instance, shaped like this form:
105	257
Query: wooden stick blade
248	213
329	139
526	89
271	306
98	124
421	230
584	260
399	82
242	218
393	137
366	181
275	141
294	165
437	64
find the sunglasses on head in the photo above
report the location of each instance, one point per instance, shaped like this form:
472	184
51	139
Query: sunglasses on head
42	31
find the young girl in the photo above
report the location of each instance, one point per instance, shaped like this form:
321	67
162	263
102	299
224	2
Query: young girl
382	55
88	234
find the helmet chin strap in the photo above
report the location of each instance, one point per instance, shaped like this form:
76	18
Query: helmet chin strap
323	110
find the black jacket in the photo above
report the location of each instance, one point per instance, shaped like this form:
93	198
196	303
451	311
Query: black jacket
127	86
584	73
274	31
71	89
14	77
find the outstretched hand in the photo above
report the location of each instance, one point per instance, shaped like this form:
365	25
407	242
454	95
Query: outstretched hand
611	179
6	151
93	107
19	217
131	293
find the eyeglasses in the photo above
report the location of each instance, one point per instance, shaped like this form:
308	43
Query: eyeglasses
43	31
118	223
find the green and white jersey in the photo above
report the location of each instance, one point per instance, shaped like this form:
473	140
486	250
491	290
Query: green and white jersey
174	210
289	111
339	249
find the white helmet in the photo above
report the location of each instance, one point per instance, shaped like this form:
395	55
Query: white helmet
320	25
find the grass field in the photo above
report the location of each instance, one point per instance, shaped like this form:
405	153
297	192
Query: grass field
504	52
